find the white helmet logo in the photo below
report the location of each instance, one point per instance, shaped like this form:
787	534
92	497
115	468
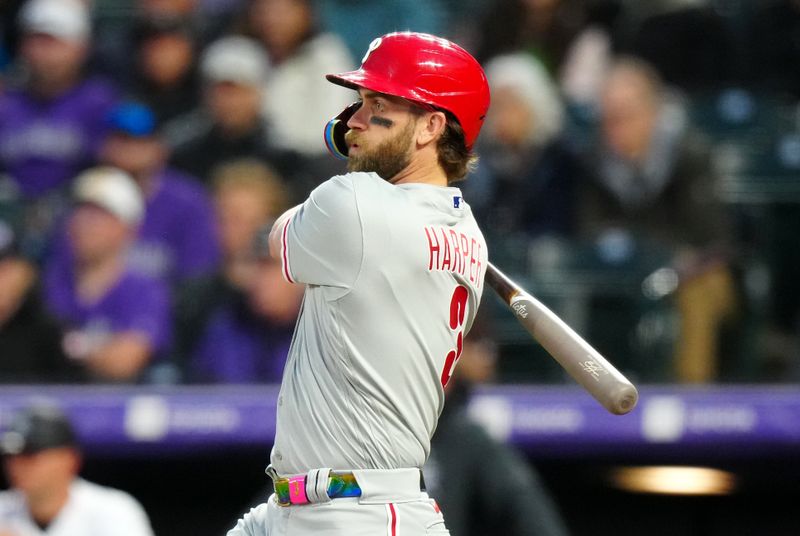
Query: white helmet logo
372	46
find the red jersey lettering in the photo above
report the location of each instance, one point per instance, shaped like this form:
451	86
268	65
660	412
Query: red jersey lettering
451	251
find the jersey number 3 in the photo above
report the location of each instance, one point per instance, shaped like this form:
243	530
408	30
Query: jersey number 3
458	307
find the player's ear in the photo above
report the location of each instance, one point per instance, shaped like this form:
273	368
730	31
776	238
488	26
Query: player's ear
430	127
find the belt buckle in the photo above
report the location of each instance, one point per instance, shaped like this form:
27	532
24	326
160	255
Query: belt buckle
280	486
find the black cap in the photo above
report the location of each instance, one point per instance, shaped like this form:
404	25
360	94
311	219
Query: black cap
37	428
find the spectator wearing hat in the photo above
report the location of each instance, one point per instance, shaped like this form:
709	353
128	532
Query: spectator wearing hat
116	36
524	181
42	460
229	125
116	320
650	183
30	340
52	124
52	117
177	239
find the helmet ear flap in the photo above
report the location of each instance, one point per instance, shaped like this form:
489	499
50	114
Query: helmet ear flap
337	128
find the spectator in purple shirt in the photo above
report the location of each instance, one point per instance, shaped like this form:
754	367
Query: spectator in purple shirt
236	325
247	341
52	124
52	118
177	238
116	320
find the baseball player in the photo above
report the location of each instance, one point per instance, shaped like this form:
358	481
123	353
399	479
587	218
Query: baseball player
393	264
41	460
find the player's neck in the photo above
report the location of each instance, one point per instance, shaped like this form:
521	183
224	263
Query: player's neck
422	170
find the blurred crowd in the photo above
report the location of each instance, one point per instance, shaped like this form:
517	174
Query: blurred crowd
639	171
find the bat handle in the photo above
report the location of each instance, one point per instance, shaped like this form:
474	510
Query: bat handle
506	288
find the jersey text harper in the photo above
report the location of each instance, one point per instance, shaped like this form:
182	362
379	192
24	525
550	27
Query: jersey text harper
452	251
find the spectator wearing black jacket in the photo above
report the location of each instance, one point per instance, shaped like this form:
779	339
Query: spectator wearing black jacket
229	124
30	340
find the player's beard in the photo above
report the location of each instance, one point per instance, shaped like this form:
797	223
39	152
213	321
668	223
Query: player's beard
388	159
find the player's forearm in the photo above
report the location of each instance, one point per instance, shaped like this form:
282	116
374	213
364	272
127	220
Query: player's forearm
275	235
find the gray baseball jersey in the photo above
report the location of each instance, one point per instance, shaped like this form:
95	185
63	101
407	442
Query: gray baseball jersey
394	275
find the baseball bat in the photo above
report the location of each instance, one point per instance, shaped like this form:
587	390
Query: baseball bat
585	364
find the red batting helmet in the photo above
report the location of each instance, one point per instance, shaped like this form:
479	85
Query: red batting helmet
425	69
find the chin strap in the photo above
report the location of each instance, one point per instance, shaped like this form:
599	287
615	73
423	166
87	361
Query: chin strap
336	129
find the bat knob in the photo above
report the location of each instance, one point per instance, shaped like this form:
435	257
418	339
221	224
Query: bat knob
626	400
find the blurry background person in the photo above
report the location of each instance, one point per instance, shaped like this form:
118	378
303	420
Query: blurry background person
524	182
589	56
236	325
651	181
209	18
53	119
248	340
115	319
177	238
298	99
42	461
119	24
165	77
30	340
230	123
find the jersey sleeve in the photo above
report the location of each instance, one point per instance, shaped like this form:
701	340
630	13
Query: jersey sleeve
322	243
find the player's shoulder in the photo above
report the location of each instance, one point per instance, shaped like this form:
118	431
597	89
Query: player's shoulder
347	186
352	178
